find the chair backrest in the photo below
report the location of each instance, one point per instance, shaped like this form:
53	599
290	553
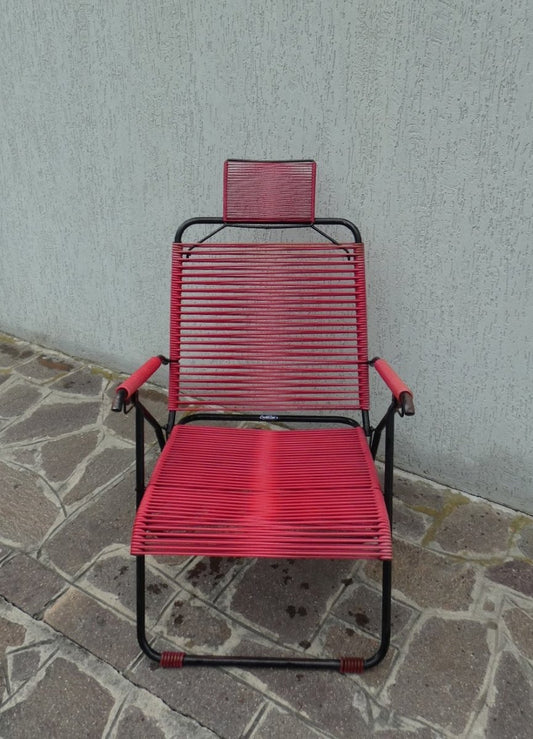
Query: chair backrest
269	327
269	192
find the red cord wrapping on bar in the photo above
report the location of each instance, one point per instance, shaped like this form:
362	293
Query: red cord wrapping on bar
139	377
396	385
172	659
350	665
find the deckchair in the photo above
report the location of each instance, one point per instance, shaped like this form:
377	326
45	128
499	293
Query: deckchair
270	339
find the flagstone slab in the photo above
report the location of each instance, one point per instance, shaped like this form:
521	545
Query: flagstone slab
277	723
11	634
525	542
91	625
13	352
520	625
516	574
60	458
82	382
195	626
138	709
420	495
101	469
428	579
113	578
210	696
171	566
360	606
442	674
17	399
46	367
293	594
24	456
53	419
65	702
134	724
28	584
410	524
27	514
150	718
24	665
105	521
511	716
474	527
119	423
208	575
334	703
410	730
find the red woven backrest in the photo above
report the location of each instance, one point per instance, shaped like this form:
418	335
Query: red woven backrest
269	327
262	192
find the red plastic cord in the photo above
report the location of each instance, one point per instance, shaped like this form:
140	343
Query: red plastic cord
269	327
172	659
352	665
139	377
261	493
395	384
269	192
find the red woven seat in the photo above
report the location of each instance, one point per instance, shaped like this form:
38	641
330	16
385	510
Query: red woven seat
262	493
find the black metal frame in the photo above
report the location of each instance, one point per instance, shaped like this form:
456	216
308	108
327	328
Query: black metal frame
374	435
268	226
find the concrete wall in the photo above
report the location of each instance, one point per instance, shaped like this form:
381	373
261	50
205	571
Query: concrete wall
117	116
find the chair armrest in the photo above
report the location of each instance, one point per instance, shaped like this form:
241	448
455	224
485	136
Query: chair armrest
402	393
130	386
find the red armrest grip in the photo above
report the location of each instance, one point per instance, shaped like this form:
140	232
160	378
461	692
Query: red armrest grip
396	385
139	377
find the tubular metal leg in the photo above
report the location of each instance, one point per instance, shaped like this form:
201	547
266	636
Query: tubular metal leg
141	625
344	664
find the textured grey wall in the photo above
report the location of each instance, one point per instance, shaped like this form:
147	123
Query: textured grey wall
117	117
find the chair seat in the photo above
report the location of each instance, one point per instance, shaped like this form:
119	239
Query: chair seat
264	493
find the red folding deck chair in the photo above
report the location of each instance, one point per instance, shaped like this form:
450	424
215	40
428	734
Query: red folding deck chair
268	332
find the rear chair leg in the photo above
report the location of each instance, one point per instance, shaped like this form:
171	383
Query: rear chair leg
141	628
386	594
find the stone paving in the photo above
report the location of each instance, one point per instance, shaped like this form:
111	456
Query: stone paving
461	661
